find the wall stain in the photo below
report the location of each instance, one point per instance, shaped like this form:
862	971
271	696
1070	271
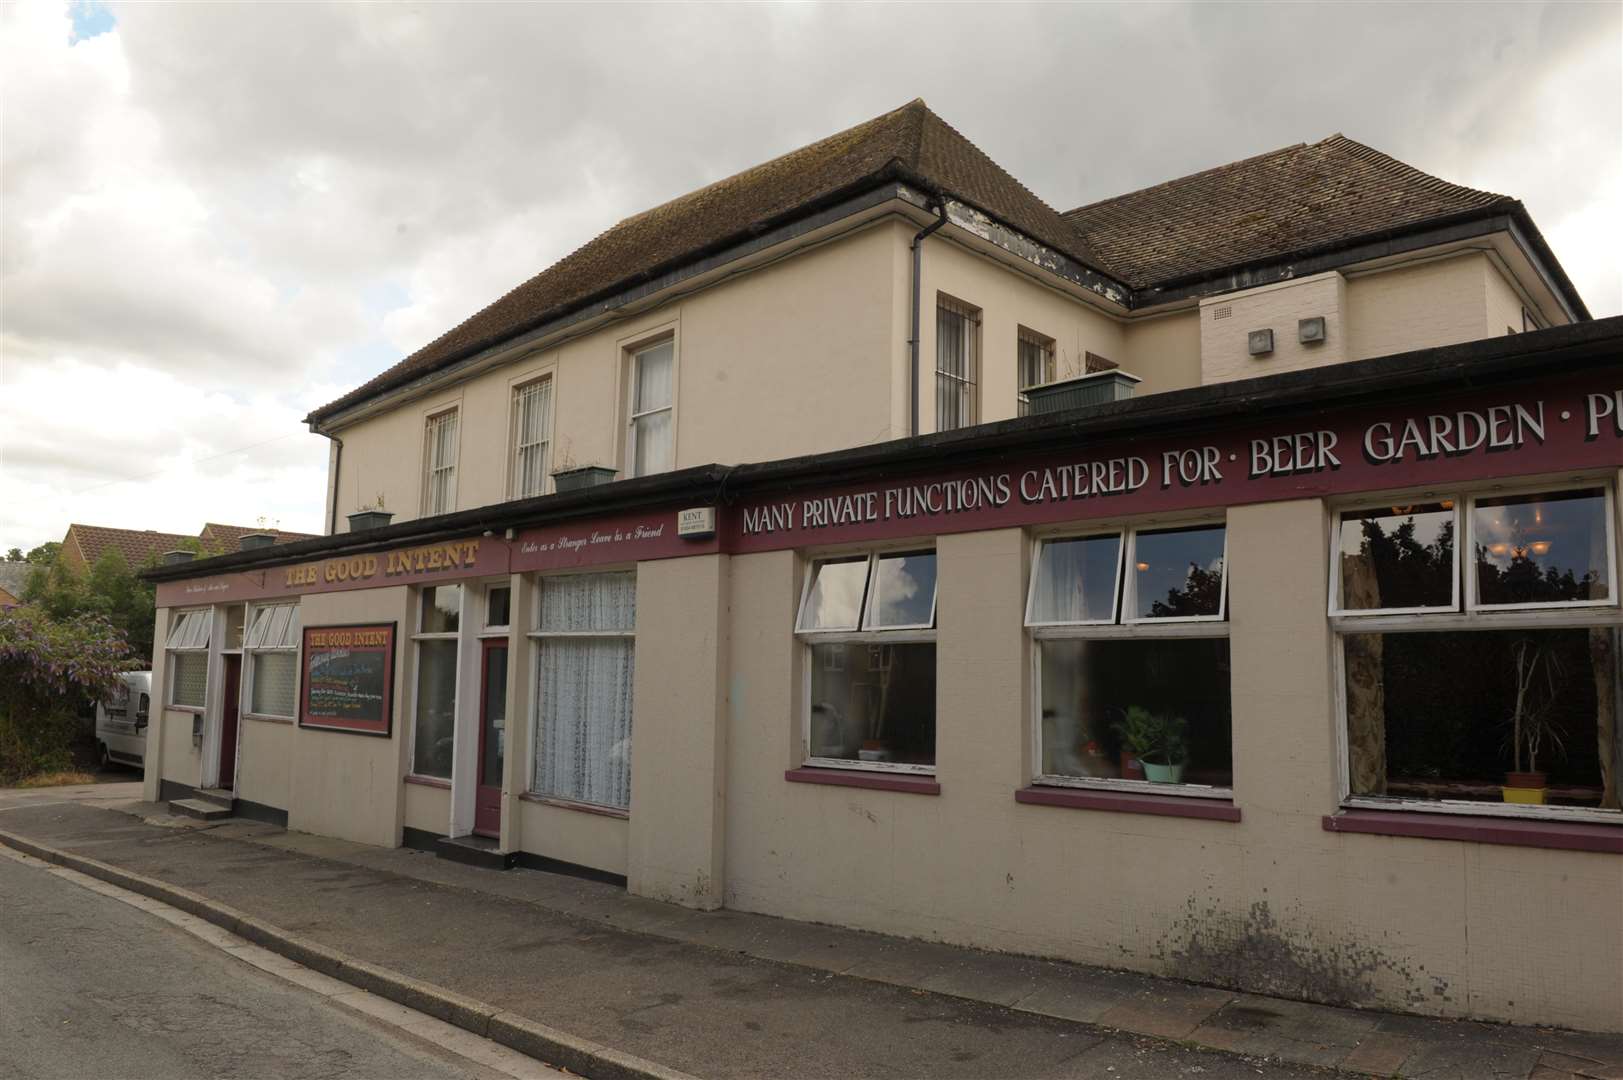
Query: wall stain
1251	951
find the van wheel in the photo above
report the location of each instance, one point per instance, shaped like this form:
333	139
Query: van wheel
106	759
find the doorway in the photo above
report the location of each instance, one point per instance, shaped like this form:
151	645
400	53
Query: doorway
487	802
228	722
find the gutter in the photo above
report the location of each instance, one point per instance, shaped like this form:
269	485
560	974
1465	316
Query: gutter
1388	379
913	342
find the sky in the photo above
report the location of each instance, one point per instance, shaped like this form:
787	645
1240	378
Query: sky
214	217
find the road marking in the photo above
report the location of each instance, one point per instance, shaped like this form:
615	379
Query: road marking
448	1037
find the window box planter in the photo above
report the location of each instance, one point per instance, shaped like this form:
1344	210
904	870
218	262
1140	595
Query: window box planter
369	519
583	477
1093	389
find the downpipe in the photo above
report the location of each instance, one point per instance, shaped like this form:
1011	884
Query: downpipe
913	342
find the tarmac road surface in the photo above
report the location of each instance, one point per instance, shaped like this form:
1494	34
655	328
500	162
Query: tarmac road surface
93	988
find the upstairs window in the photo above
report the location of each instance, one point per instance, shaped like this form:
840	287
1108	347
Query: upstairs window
1131	633
957	364
188	647
532	438
439	464
868	625
1034	357
651	439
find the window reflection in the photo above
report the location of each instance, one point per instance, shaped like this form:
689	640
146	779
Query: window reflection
1397	557
1179	572
834	601
1541	549
442	605
903	591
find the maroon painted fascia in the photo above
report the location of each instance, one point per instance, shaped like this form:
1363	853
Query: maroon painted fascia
1130	802
875	781
1516	832
427	781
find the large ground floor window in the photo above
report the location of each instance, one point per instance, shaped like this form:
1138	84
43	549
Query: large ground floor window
585	657
1520	716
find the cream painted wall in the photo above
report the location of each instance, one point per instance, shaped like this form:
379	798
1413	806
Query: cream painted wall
1226	323
1441	302
1164	351
265	762
1007	301
182	761
346	785
426	808
1273	903
1504	306
577	836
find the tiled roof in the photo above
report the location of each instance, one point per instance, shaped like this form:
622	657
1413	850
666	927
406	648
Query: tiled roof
226	538
1289	203
136	545
910	143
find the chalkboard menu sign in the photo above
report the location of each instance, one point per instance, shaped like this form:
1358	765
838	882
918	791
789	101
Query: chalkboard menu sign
348	678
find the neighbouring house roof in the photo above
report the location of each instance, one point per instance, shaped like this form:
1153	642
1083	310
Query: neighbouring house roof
229	537
138	546
909	144
1298	201
1290	202
13	580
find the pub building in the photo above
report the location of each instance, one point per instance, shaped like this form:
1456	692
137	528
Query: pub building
859	540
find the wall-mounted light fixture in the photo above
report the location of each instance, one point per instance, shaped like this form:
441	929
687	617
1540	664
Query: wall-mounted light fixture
1260	342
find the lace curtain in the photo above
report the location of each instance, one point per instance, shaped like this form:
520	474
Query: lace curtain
584	685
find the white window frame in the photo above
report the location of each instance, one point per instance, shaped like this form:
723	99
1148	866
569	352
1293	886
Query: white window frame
516	458
969	382
1202	627
206	616
634	355
1367	505
417	638
1026	335
434	465
1473	603
1129	590
537	638
914	634
1569	615
251	652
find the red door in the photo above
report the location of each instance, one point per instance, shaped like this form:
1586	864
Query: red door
487	800
228	722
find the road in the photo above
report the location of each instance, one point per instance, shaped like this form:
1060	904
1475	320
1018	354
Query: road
91	987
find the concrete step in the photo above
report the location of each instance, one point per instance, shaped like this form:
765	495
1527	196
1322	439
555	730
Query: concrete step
198	808
216	795
477	851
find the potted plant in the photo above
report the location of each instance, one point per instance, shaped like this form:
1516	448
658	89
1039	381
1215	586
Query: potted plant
571	477
1156	741
370	516
1538	675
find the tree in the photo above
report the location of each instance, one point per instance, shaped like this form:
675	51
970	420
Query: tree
47	670
110	591
44	555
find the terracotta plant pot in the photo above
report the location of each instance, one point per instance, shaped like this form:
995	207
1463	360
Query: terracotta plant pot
1131	767
1526	788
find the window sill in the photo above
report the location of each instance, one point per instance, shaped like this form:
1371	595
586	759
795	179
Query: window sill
571	804
1515	832
268	719
1130	802
912	783
428	781
195	710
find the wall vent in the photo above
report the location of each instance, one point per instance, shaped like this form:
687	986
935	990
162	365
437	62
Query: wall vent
1222	312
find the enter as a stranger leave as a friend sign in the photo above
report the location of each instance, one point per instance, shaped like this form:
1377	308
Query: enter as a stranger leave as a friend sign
348	676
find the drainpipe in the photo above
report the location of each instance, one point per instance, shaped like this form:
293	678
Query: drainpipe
913	342
337	465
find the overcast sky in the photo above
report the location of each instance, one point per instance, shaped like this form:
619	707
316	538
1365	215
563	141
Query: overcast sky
216	216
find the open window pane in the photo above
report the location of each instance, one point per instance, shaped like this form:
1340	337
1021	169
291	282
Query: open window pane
1541	549
442	609
1399	557
1451	714
1156	709
873	702
436	708
834	601
1179	573
190	630
258	627
1076	580
275	683
903	592
498	604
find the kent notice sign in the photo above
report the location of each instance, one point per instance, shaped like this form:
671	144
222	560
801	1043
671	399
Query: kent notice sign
348	678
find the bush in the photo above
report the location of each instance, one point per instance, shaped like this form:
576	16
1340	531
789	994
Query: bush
47	670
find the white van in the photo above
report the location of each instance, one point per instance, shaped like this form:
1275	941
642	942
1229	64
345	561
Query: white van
121	721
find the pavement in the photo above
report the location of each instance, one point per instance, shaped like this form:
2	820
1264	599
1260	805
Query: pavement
729	994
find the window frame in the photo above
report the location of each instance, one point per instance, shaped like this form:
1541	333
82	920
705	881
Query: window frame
517	446
1609	506
634	353
1336	609
433	465
1464	618
908	635
1129	589
536	639
1025	335
1202	627
418	636
204	649
968	383
251	654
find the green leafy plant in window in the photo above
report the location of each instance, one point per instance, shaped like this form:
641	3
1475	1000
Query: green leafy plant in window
1157	740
